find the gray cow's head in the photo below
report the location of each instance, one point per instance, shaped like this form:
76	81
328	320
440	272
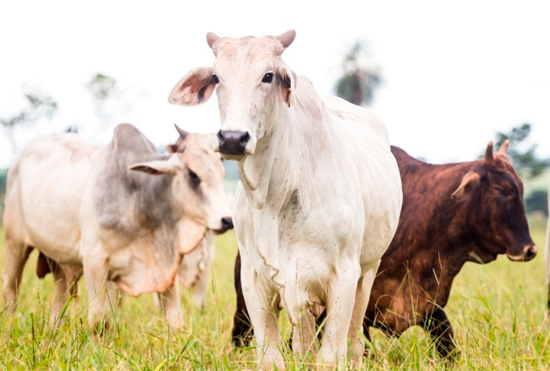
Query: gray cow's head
253	85
197	184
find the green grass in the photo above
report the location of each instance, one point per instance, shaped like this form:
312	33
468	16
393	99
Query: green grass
497	311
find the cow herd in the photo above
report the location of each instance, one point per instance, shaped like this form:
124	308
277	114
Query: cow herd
333	224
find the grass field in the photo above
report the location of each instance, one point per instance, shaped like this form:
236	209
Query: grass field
497	310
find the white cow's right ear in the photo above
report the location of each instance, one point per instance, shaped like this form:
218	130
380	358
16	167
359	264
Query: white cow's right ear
469	183
287	85
155	167
194	88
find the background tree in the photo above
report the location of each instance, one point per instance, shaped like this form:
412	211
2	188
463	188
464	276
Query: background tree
527	164
102	88
521	154
361	75
38	106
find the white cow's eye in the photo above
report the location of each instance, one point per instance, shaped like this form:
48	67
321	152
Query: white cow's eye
268	77
214	79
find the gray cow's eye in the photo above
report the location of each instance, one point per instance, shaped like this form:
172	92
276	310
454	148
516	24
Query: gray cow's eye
214	79
194	179
268	77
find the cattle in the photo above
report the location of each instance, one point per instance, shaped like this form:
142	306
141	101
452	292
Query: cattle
451	214
319	197
117	213
195	268
547	251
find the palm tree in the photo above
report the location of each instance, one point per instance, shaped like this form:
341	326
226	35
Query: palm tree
361	75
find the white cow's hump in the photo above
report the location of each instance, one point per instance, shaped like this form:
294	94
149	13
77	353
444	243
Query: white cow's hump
353	114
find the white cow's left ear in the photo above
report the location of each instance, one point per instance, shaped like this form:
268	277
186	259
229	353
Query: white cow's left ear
155	167
194	88
287	85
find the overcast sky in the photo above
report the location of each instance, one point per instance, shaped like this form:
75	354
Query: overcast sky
454	73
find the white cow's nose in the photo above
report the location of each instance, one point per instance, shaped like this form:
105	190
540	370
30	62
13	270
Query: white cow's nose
233	142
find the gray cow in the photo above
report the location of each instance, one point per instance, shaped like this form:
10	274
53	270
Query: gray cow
119	212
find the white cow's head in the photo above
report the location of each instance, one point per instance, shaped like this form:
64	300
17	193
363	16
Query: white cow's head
253	84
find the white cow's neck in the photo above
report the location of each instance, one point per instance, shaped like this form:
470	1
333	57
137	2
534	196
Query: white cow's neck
285	160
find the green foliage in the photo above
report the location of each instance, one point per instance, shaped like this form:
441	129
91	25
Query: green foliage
525	161
101	86
360	76
38	106
497	311
537	201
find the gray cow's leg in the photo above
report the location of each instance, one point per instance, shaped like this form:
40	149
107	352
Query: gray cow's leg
16	257
170	304
66	286
95	277
439	327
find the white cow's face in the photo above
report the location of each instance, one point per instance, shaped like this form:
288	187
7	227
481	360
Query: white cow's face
253	85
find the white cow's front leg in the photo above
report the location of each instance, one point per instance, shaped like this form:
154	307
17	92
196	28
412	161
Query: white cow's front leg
362	296
263	308
95	277
304	340
170	304
339	307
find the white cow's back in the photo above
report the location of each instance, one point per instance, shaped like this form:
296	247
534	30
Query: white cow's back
44	196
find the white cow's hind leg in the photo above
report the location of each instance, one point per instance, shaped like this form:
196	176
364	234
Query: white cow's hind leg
16	257
170	304
362	295
339	307
263	308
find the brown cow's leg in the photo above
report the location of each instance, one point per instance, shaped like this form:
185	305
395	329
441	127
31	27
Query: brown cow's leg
439	327
242	332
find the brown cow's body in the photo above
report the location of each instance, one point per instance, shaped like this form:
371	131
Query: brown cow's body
451	214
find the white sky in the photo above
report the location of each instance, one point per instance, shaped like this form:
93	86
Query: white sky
455	72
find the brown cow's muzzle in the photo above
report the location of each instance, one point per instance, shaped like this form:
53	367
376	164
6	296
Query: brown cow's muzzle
529	252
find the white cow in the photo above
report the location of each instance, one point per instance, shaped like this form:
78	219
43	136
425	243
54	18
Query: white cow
119	212
319	198
195	268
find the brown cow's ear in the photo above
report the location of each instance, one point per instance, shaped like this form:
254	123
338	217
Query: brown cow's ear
469	183
287	85
194	88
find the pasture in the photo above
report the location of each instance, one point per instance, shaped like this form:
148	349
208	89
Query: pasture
497	310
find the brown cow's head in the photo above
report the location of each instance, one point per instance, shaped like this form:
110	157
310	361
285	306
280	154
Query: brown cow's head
493	193
251	80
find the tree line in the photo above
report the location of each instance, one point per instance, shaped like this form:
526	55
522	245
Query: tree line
360	77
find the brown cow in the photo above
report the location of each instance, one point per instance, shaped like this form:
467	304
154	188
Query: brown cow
451	214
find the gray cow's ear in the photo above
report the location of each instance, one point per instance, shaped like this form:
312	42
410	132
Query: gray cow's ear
154	167
194	88
470	181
